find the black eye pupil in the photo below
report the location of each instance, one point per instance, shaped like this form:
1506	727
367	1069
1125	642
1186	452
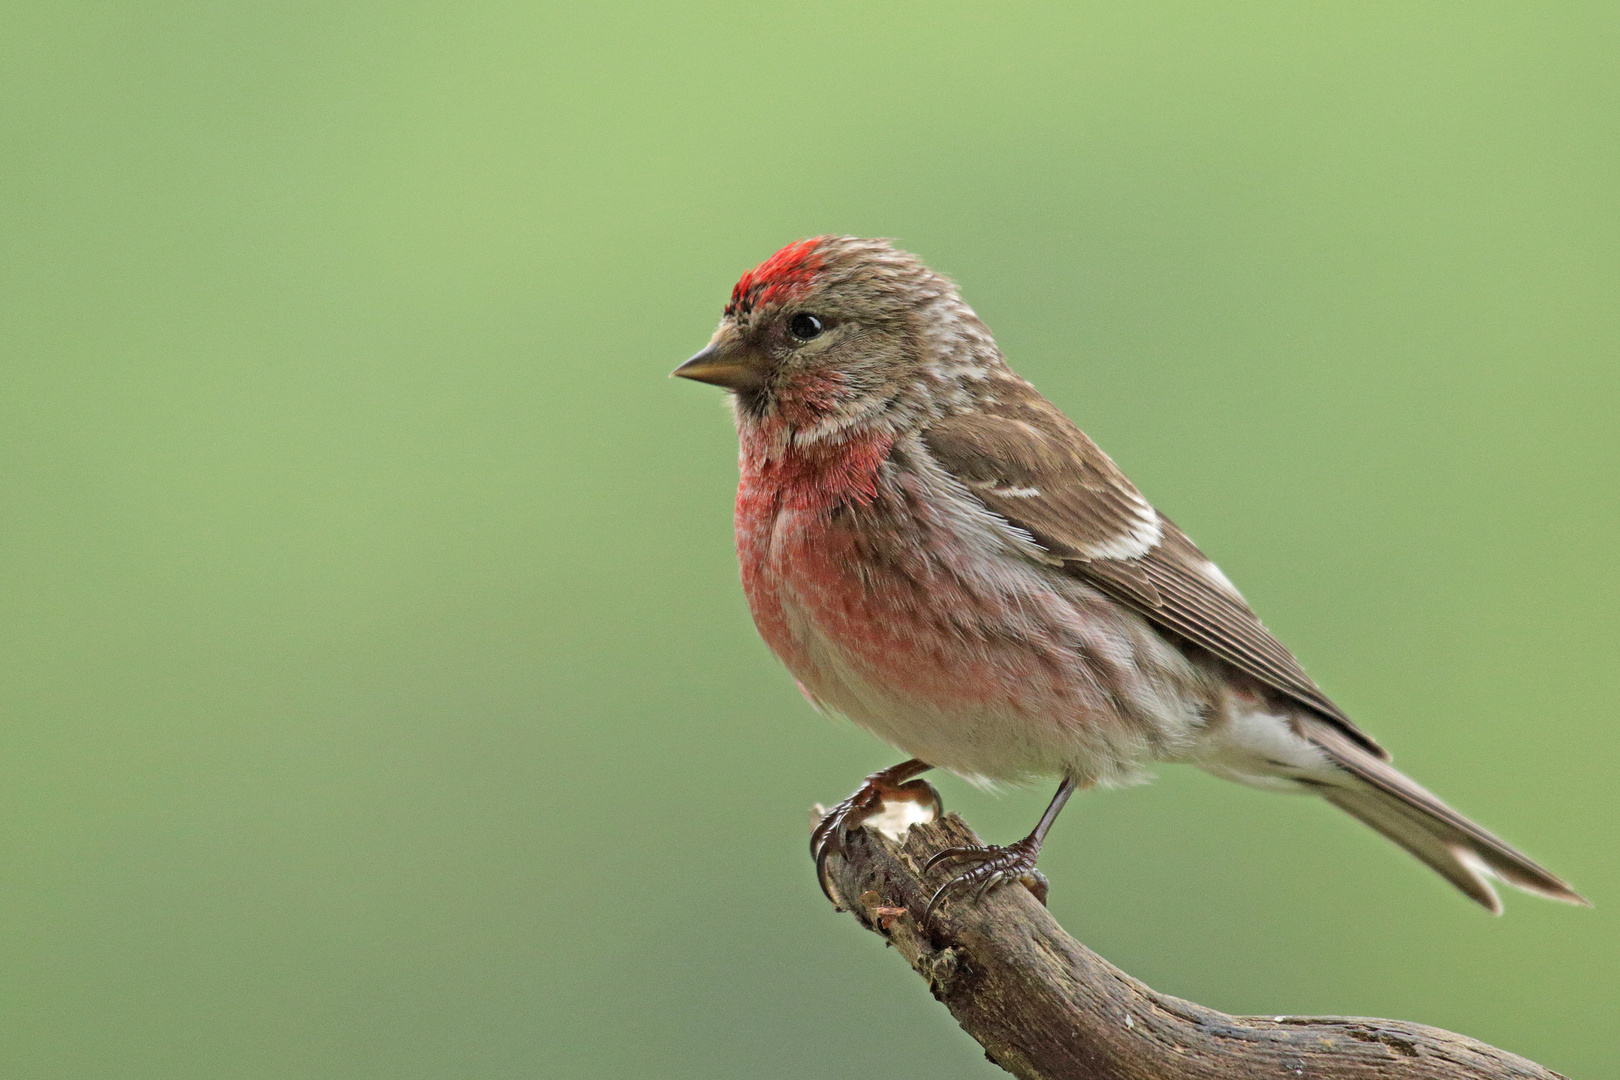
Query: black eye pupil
804	326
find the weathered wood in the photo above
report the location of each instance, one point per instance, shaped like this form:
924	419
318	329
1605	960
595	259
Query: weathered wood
1044	1007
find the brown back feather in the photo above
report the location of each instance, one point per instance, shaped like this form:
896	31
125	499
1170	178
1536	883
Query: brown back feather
1030	464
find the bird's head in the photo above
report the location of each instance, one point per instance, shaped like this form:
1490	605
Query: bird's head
833	330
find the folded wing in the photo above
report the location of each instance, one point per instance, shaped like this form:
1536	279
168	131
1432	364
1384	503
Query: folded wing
1031	465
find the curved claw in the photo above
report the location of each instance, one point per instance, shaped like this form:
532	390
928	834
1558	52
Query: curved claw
831	833
933	902
826	839
826	883
996	866
818	836
953	853
989	883
823	878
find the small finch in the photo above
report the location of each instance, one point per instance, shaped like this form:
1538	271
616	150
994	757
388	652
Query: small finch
937	553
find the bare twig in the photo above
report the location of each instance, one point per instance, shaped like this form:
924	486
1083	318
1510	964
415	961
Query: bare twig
1044	1007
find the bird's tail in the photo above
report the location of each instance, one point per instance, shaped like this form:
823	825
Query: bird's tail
1374	792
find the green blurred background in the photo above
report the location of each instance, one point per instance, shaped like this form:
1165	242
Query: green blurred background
377	698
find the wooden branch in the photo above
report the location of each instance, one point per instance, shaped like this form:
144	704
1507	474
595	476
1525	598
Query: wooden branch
1044	1007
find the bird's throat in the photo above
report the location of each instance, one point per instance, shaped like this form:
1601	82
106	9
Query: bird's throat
781	473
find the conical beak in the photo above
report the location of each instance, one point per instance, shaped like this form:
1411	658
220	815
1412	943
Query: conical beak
725	364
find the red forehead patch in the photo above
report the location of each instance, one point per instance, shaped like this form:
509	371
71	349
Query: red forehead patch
777	278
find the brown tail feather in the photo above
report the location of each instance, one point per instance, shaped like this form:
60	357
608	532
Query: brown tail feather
1462	852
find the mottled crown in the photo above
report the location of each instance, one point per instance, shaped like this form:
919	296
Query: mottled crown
874	268
778	277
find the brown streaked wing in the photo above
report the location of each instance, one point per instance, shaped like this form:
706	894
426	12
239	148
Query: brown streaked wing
1030	464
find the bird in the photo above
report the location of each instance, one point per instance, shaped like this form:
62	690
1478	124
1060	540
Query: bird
937	553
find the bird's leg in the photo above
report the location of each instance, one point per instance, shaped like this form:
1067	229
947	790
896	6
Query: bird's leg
994	864
894	783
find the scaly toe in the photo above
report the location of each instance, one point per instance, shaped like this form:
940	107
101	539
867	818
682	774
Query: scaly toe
996	877
958	853
996	866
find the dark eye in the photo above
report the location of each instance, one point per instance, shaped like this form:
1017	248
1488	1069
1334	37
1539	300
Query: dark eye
805	326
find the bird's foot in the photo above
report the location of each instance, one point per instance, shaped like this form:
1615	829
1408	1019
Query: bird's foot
992	865
871	799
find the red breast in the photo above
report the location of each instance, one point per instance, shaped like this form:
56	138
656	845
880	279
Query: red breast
802	484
